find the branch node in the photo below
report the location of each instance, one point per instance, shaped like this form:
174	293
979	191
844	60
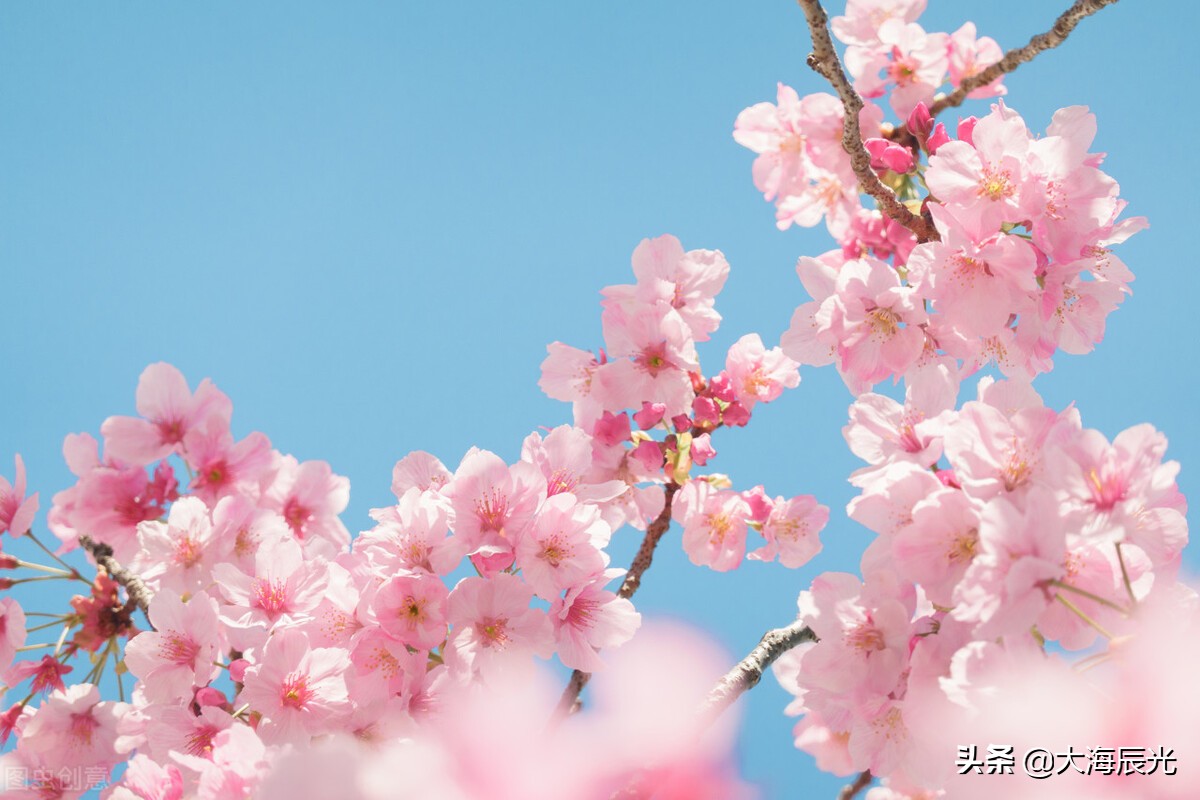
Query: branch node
138	592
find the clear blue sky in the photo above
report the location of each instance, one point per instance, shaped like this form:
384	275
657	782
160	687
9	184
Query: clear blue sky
365	221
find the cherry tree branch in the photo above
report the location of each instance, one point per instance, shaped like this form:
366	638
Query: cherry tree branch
569	703
1016	57
645	553
743	677
825	62
139	593
851	789
746	674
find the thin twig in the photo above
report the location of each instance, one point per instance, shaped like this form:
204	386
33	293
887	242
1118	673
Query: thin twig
139	593
861	782
1014	58
569	702
1095	598
824	61
746	674
1125	577
1079	613
1020	55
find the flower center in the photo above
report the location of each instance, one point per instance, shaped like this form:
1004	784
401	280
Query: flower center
884	321
996	184
493	631
561	480
294	693
270	595
492	510
178	649
865	637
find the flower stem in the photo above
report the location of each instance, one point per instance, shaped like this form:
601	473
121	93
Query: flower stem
1099	628
1093	597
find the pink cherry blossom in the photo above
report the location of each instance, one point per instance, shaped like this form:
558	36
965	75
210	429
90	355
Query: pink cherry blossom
994	453
938	547
179	554
1106	489
566	460
419	470
16	510
145	779
792	136
653	353
179	653
714	525
237	764
882	430
109	500
758	374
974	282
239	526
46	672
589	618
889	495
863	18
1019	552
412	535
650	415
310	498
887	155
222	466
412	608
877	323
493	622
493	505
283	587
970	55
73	728
169	412
906	58
12	631
987	182
298	689
688	281
791	529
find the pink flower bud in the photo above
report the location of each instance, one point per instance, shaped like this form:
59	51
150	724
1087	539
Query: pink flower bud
889	155
237	669
650	415
702	449
920	121
760	504
721	387
611	429
649	454
936	139
966	130
736	415
706	411
208	696
682	422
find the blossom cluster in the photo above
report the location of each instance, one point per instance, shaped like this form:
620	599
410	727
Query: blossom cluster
280	656
1002	526
647	383
1006	531
269	628
1021	266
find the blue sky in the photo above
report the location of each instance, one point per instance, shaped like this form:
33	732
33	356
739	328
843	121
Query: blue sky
365	222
